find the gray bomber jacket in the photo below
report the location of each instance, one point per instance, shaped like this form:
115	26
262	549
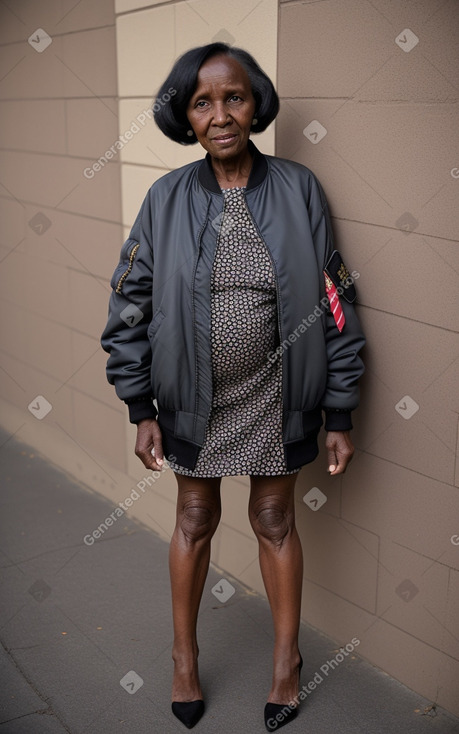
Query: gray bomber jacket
158	329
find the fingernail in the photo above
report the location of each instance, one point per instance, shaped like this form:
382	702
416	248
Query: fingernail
159	461
332	467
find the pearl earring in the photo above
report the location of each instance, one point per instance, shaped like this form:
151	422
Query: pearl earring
254	121
190	133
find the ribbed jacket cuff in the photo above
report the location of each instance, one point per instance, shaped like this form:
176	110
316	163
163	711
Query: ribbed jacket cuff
140	409
338	420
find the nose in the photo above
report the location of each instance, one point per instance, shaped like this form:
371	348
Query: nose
220	114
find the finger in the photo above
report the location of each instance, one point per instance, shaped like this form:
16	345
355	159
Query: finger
336	469
343	461
157	452
147	456
149	461
335	461
332	460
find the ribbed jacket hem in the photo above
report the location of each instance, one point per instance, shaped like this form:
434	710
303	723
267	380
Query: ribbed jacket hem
296	453
141	409
338	420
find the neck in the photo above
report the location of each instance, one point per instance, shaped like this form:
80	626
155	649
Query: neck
234	169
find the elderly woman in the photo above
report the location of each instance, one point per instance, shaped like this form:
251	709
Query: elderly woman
232	310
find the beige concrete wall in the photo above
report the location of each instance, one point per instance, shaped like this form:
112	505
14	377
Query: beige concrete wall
64	104
60	230
385	163
379	561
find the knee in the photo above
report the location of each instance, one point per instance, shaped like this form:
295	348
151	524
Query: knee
271	521
198	519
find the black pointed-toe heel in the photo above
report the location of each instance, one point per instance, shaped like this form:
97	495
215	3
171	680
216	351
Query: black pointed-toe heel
188	712
285	712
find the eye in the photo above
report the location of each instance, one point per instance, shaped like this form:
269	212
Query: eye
235	96
200	103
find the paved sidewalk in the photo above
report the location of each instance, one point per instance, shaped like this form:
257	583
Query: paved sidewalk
75	620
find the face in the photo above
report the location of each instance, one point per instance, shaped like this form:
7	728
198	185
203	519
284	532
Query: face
222	107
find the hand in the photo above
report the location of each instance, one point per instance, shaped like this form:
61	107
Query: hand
148	437
340	451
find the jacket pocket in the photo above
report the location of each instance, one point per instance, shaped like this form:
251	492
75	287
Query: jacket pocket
155	322
128	253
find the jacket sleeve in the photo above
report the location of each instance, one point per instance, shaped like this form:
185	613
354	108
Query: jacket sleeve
125	336
345	366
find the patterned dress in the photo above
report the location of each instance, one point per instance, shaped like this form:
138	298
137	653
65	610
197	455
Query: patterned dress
244	430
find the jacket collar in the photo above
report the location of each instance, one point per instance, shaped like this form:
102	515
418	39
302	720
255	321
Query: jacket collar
258	171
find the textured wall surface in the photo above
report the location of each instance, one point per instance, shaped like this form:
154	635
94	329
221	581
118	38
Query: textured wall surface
58	96
369	102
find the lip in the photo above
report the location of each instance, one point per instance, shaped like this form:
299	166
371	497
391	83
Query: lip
220	139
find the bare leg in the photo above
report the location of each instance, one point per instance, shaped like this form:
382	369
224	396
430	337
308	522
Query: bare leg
198	515
272	515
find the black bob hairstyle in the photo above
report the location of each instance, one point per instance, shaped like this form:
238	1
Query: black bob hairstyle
172	100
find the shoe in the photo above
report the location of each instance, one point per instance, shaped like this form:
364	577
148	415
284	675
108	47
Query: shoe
189	712
288	713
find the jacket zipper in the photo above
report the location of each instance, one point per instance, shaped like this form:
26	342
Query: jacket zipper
194	328
279	320
128	269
